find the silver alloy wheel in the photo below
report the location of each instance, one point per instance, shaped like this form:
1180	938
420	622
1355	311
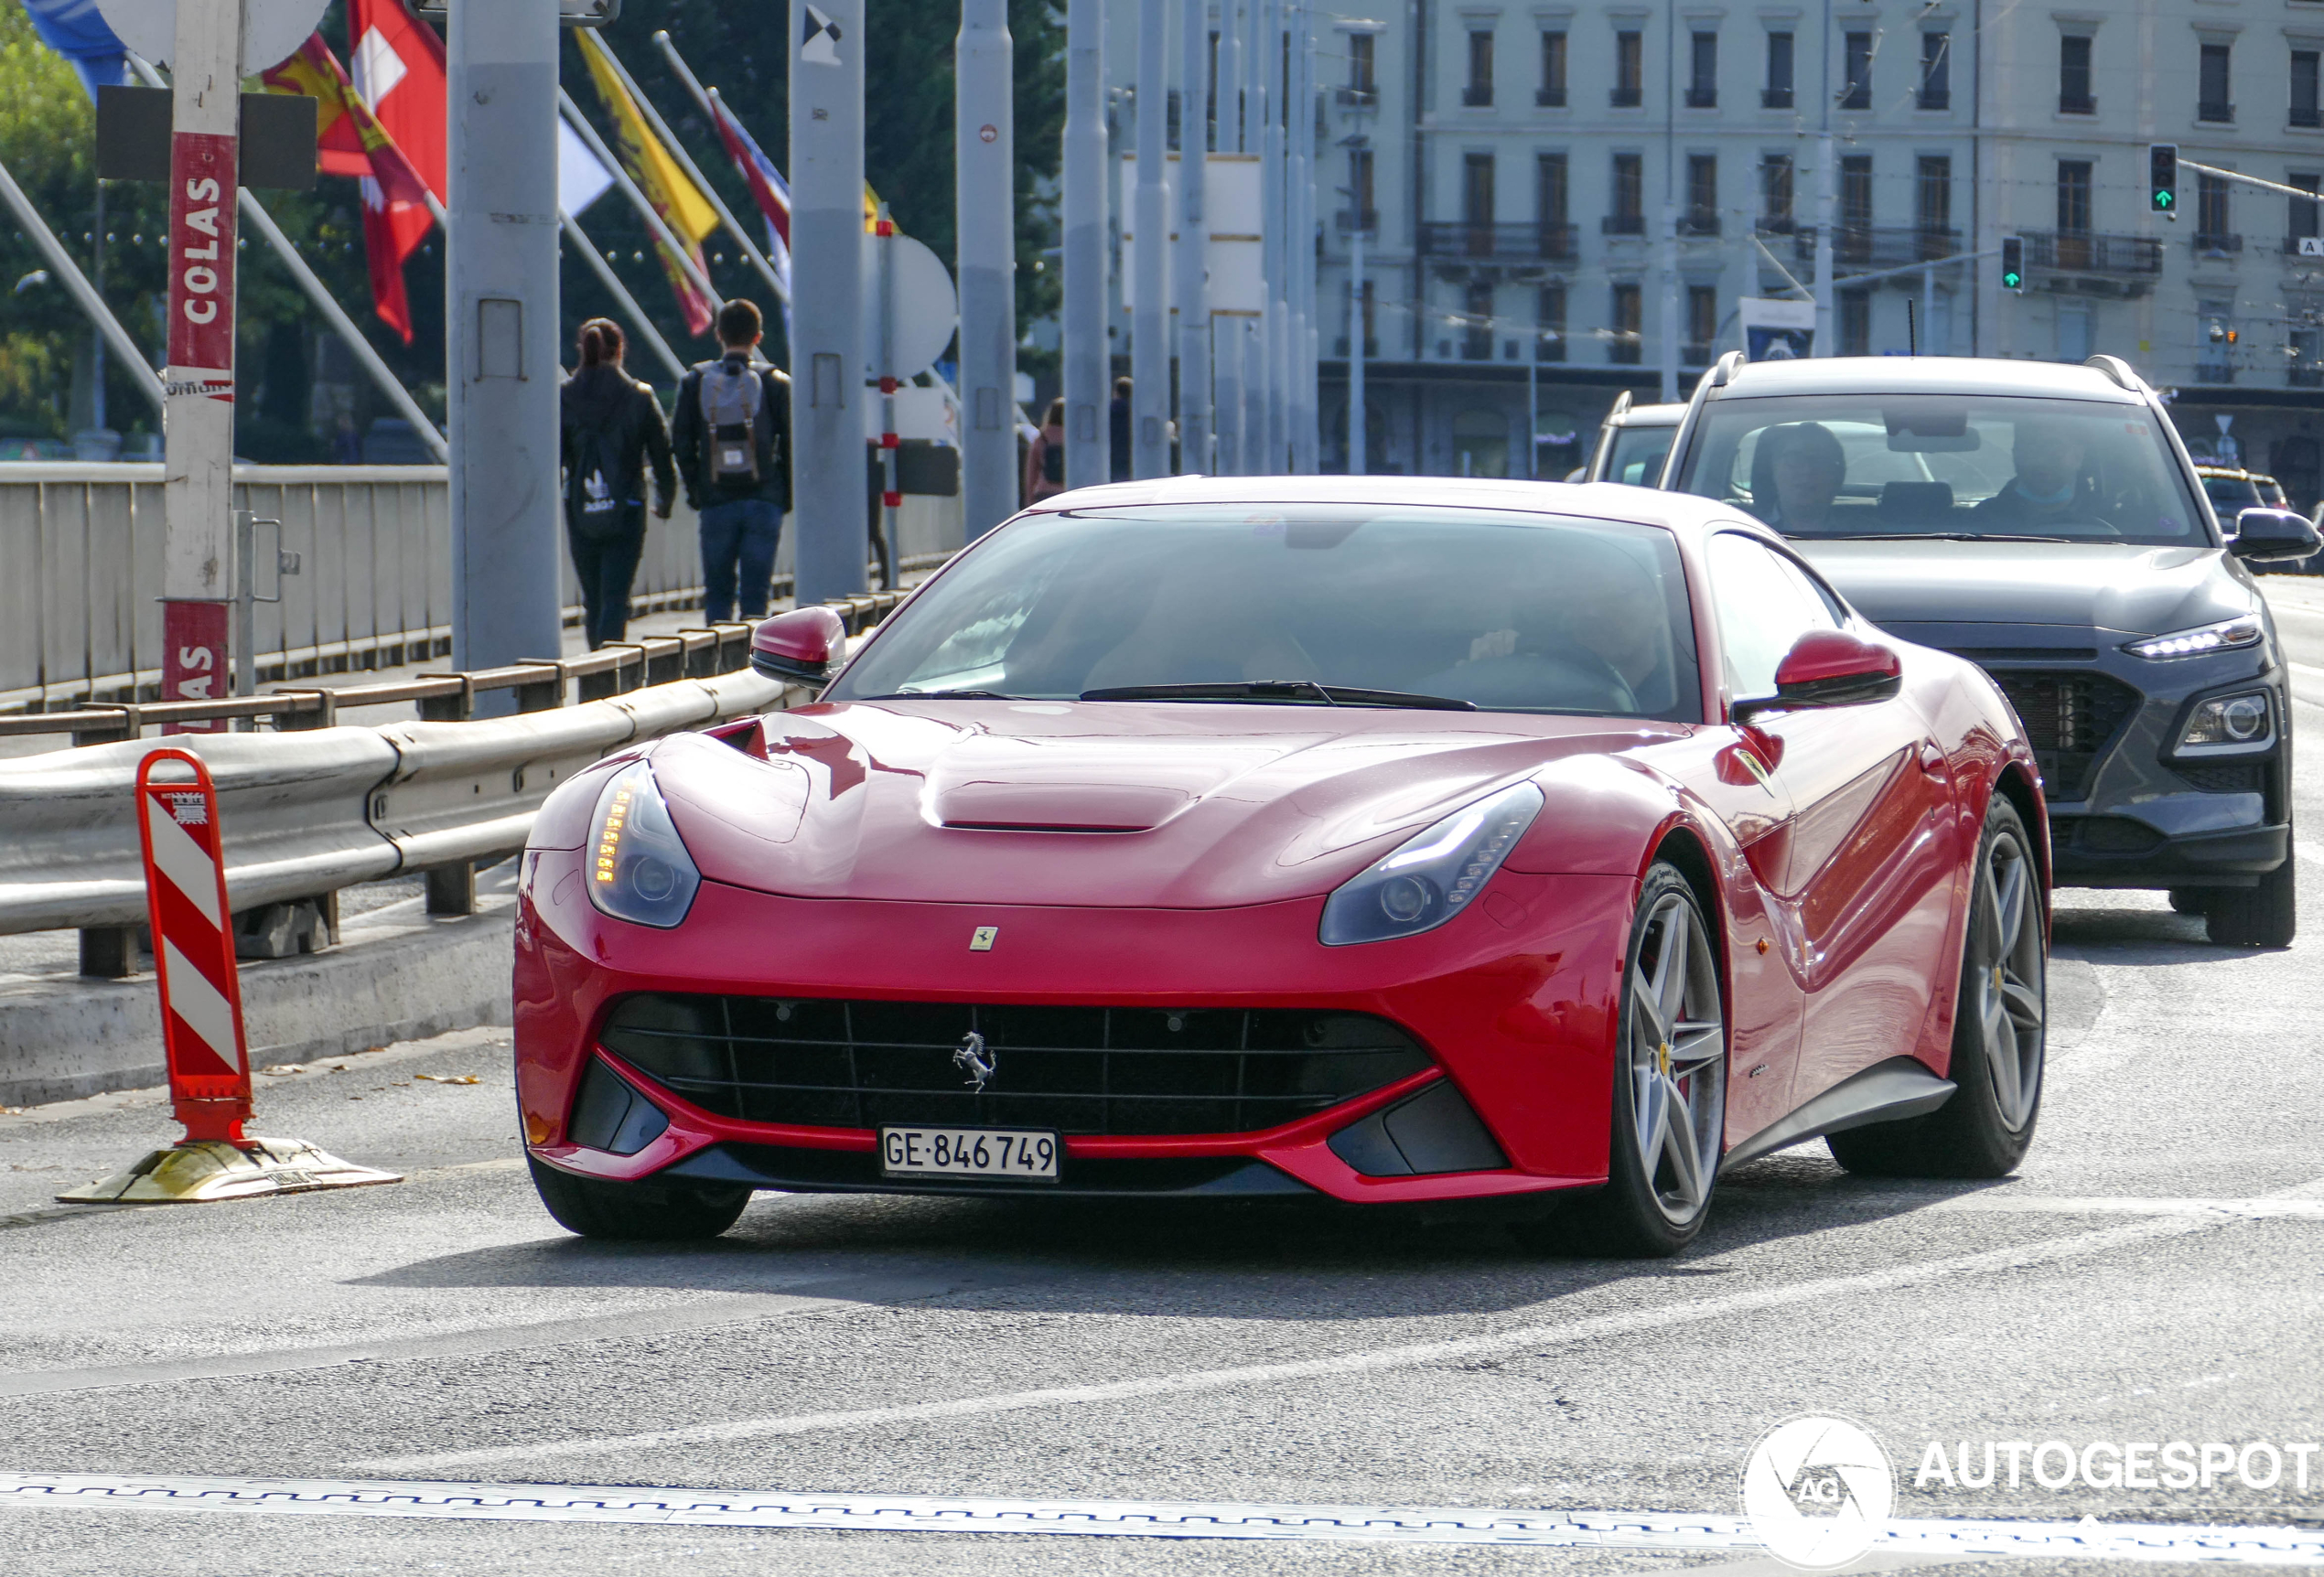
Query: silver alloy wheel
2008	959
1677	1060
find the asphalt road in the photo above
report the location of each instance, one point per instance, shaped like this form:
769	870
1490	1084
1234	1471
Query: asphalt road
2155	1273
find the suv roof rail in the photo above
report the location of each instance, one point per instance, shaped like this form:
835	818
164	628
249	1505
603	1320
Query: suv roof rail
2116	369
1621	403
1715	377
1726	366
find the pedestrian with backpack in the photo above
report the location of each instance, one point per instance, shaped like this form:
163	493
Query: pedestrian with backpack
613	426
732	435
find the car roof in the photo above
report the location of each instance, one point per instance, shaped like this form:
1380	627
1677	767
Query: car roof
1923	375
1647	417
1682	513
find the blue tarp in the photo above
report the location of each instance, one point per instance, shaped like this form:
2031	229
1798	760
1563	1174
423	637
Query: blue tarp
75	29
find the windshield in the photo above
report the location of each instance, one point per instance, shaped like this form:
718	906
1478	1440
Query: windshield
1635	455
2230	494
1924	464
1506	611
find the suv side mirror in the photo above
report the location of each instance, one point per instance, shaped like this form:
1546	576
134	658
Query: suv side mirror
1828	668
2268	534
796	647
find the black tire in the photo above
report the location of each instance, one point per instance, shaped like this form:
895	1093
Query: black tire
637	1212
1633	1216
1984	1129
2190	900
2262	916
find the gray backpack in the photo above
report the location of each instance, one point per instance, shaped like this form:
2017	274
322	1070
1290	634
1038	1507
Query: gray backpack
732	393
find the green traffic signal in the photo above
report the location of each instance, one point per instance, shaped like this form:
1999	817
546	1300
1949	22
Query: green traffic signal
2162	178
2013	263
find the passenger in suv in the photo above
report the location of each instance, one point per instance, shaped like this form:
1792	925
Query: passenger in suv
2046	523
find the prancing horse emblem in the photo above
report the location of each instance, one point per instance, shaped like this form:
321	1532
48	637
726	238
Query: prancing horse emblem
972	1060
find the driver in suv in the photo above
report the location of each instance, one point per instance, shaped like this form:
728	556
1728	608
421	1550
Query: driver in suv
2046	523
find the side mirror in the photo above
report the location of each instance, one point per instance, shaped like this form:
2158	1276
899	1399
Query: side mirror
2269	534
1828	668
796	647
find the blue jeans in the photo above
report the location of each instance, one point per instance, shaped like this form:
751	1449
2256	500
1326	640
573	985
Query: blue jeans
738	536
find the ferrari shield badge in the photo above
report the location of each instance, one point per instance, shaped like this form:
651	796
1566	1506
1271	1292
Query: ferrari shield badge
982	938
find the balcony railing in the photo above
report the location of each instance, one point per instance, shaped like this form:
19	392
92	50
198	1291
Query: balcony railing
2292	244
1702	98
1624	98
1936	98
1350	222
1622	224
2215	110
1549	345
1478	95
2305	377
1359	98
2217	243
1694	354
1862	247
1549	97
1503	242
2214	372
2077	253
1699	221
1622	348
2306	118
1775	98
2077	104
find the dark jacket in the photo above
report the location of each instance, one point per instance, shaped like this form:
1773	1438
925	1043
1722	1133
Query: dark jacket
606	410
690	437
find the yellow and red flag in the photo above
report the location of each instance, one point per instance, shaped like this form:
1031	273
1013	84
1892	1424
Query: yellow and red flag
665	186
350	141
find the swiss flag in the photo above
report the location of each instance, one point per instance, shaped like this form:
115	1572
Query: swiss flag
398	64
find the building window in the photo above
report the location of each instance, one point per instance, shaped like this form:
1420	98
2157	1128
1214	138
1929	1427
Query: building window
2214	341
1551	200
1477	202
1702	217
1936	70
1777	93
1628	217
1477	332
2074	75
1363	216
1857	50
1371	326
1622	348
1853	243
1549	337
1630	71
1550	94
2300	213
2304	95
1855	323
1934	188
1480	90
1702	324
1775	194
2214	230
2212	100
1703	82
2073	196
1362	65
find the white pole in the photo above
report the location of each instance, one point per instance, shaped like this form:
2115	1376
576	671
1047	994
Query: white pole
1275	339
1087	361
1357	434
1150	322
1227	333
1823	196
827	296
985	161
1189	273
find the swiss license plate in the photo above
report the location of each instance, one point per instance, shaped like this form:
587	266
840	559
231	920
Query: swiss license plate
1030	1155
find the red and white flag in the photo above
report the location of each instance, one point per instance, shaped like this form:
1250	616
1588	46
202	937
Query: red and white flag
398	65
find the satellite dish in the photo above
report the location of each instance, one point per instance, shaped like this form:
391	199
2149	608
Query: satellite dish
927	306
272	29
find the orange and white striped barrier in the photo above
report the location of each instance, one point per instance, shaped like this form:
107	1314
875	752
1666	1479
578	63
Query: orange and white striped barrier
202	1014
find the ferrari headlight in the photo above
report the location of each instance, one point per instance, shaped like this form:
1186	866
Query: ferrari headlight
639	870
1435	875
2227	633
2230	722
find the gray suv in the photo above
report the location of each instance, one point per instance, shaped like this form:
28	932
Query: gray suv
2045	523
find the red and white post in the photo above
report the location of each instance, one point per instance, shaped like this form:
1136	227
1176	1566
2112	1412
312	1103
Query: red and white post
198	416
201	992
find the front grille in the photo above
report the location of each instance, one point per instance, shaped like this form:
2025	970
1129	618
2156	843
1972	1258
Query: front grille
2070	718
1094	1070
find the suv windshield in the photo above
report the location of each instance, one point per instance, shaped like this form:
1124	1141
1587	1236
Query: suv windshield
1635	453
1507	611
1928	465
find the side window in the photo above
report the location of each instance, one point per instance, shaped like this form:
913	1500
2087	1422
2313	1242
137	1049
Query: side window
1815	591
1765	603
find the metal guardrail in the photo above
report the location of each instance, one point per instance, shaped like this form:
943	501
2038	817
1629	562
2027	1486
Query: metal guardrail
314	807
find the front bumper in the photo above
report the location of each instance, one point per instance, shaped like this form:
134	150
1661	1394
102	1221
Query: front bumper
1514	1002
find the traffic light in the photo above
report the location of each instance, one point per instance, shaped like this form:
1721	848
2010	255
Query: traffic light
2013	263
2162	178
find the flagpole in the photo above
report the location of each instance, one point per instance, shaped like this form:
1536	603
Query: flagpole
76	283
670	140
640	324
317	292
654	222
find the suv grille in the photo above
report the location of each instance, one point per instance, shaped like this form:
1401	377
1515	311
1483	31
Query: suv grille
2068	717
1098	1070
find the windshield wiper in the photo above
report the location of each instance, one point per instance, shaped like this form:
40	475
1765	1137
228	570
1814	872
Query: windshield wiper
1277	690
942	695
1933	537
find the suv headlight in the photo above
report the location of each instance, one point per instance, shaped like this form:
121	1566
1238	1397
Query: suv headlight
2244	629
639	870
1434	875
2226	725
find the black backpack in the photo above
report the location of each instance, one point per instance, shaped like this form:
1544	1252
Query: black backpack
596	497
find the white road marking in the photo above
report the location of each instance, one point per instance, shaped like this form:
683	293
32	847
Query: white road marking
1614	1324
2261	1209
1642	1530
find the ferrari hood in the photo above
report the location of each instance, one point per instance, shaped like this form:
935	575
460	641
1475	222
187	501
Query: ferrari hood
1091	804
2084	585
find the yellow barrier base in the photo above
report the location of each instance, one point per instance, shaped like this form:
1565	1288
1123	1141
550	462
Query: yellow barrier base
206	1172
